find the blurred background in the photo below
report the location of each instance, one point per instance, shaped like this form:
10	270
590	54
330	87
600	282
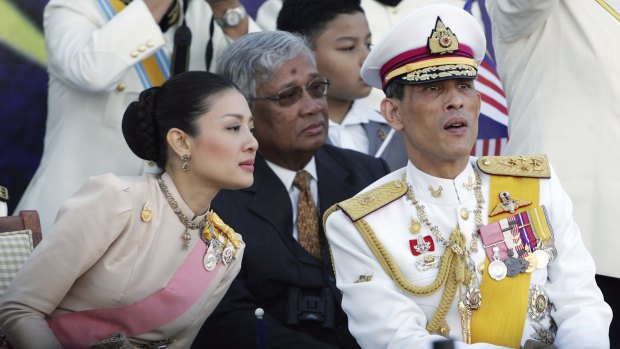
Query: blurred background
23	91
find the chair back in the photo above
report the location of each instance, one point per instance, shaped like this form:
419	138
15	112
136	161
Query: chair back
19	235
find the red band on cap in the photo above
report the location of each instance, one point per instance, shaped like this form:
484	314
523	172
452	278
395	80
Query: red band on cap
418	55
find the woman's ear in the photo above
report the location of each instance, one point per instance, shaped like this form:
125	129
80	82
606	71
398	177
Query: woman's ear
179	142
389	109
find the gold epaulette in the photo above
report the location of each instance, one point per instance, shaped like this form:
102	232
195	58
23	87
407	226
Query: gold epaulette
365	203
4	194
535	166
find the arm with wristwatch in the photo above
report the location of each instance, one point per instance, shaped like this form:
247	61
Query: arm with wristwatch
231	16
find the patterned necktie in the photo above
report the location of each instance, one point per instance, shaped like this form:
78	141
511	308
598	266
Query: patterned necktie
307	217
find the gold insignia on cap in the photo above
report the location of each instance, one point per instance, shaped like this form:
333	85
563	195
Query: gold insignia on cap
442	39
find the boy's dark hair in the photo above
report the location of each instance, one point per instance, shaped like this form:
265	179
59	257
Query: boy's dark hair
309	17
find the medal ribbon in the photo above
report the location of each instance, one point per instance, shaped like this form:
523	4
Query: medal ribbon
501	318
153	70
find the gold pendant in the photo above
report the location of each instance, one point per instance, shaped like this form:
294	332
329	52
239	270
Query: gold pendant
146	215
415	227
436	193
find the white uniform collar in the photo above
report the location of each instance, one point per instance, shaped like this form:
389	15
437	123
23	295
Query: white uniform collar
454	191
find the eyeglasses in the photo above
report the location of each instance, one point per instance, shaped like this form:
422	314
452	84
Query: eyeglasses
316	88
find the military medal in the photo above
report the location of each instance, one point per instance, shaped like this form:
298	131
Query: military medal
507	204
497	268
538	303
414	226
209	261
427	262
513	266
419	246
532	263
228	254
542	257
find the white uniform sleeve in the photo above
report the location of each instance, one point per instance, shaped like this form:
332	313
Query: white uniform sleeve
581	314
380	314
516	19
91	53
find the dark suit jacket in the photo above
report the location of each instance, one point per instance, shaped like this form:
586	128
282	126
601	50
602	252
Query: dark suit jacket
274	262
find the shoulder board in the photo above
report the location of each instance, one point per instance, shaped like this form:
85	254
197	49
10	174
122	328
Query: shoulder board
4	194
535	166
365	203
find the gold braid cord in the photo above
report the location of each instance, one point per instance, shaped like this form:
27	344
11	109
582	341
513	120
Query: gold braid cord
450	265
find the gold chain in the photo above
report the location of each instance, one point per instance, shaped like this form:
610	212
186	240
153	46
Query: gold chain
189	225
473	247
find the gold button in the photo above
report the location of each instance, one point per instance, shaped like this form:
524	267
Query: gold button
134	54
398	184
142	48
464	213
120	87
150	43
486	162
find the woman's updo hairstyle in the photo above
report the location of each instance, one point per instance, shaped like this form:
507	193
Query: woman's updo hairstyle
178	103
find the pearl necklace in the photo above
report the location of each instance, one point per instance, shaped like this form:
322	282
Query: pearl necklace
189	225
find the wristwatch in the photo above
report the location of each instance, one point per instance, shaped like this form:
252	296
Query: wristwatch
232	17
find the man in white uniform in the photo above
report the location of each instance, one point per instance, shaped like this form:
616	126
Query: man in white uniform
558	62
484	251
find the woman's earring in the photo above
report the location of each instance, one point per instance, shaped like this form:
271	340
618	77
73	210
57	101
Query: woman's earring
185	159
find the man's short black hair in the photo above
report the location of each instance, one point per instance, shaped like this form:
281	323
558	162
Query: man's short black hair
309	17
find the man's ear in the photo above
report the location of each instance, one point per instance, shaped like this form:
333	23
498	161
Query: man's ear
389	109
179	141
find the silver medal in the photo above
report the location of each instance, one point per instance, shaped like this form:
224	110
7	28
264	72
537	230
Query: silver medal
228	254
542	258
209	259
497	268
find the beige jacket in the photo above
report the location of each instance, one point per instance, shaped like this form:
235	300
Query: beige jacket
100	254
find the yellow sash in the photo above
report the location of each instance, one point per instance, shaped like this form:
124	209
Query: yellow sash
501	317
154	70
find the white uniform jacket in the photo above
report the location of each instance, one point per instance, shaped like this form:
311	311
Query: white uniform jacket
92	79
558	63
382	315
101	254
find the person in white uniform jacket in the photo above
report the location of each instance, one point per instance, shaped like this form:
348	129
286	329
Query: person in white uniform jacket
484	251
567	114
95	50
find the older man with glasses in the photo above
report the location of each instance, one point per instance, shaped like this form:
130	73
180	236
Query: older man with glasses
287	269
